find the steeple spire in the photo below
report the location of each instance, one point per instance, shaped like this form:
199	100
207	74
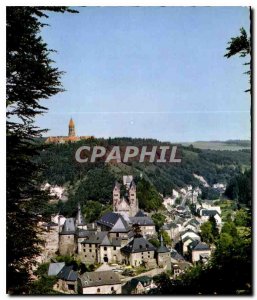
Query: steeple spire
71	128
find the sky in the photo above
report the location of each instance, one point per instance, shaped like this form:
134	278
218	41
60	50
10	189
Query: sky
149	72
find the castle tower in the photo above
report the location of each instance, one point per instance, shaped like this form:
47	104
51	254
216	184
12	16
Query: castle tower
163	256
71	128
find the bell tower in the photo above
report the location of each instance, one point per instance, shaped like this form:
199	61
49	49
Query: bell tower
71	128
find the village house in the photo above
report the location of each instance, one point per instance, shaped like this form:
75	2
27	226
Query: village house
145	224
94	283
67	280
199	251
138	285
180	268
138	251
172	230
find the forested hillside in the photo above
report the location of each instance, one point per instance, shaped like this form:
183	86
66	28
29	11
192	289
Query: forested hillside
94	181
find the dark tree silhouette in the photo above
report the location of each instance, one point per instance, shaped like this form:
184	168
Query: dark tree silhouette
30	78
240	45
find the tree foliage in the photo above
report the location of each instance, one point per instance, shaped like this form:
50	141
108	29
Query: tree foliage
30	77
240	45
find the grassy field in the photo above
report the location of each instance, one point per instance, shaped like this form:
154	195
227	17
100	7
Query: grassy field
217	145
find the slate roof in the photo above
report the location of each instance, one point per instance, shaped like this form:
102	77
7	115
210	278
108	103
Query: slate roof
114	221
140	213
80	233
95	237
201	247
68	227
116	242
162	248
106	241
209	213
90	279
68	274
187	238
138	244
145	280
142	221
55	268
175	255
120	226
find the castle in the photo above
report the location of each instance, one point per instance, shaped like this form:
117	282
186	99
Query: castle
112	238
70	138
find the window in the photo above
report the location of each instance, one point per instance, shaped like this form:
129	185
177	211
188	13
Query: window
112	288
84	250
90	245
85	256
114	248
105	248
117	234
98	290
90	250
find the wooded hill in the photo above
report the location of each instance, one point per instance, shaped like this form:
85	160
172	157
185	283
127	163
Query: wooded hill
94	181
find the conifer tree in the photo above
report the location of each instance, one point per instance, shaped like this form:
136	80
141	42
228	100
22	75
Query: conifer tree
30	77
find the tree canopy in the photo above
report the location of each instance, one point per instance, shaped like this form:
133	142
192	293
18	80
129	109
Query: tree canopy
30	77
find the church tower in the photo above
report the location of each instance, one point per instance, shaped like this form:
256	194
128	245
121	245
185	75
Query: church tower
116	196
133	198
71	128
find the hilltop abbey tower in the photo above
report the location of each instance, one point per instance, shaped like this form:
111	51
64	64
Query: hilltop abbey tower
72	138
71	128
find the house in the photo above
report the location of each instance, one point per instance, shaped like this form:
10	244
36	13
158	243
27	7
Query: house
138	285
67	280
145	223
138	251
206	214
169	201
172	229
186	242
95	283
189	233
176	257
192	224
180	268
199	251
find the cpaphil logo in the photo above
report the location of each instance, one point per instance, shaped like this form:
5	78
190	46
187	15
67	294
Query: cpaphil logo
118	154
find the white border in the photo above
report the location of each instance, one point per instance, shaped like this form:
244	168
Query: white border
5	3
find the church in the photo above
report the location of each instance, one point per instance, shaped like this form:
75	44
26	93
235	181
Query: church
72	138
126	204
